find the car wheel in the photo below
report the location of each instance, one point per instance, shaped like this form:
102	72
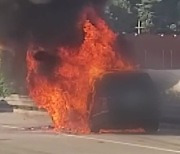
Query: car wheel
151	126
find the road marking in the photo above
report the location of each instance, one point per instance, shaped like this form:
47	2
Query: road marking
9	126
123	143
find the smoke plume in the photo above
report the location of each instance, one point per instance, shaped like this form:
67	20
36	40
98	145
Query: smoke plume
45	22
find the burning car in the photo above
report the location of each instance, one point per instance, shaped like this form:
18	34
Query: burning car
125	100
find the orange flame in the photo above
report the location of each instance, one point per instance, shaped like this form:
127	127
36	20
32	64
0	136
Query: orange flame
66	98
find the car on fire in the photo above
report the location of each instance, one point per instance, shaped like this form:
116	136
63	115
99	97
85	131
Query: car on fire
124	100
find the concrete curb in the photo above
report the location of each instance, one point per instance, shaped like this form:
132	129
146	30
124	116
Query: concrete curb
21	102
32	112
27	108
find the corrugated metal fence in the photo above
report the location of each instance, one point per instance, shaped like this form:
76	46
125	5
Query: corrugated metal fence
155	51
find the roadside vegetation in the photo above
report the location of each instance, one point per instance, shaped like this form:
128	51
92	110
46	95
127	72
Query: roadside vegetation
5	90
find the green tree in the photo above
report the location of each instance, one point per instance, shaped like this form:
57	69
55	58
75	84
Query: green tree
119	15
130	12
146	14
4	89
167	16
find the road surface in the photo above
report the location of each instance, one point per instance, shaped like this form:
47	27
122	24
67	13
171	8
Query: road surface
16	138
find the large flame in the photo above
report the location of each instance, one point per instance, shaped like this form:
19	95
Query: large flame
66	97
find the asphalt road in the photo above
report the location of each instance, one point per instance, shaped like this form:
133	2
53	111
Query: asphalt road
44	143
15	138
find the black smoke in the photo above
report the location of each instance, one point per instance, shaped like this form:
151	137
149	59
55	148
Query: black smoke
45	22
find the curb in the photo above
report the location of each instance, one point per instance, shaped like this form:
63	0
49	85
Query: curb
27	108
33	112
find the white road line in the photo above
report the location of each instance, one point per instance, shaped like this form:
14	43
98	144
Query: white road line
9	126
123	143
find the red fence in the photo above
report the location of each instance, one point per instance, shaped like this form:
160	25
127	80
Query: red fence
155	51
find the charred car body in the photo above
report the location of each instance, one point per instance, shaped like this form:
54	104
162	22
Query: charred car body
125	100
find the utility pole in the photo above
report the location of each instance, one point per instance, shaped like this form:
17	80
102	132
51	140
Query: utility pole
139	27
139	22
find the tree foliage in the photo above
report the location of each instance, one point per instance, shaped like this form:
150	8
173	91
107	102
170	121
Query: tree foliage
167	16
156	16
146	14
4	89
120	16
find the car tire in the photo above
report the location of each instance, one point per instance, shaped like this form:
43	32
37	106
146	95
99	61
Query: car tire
151	126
